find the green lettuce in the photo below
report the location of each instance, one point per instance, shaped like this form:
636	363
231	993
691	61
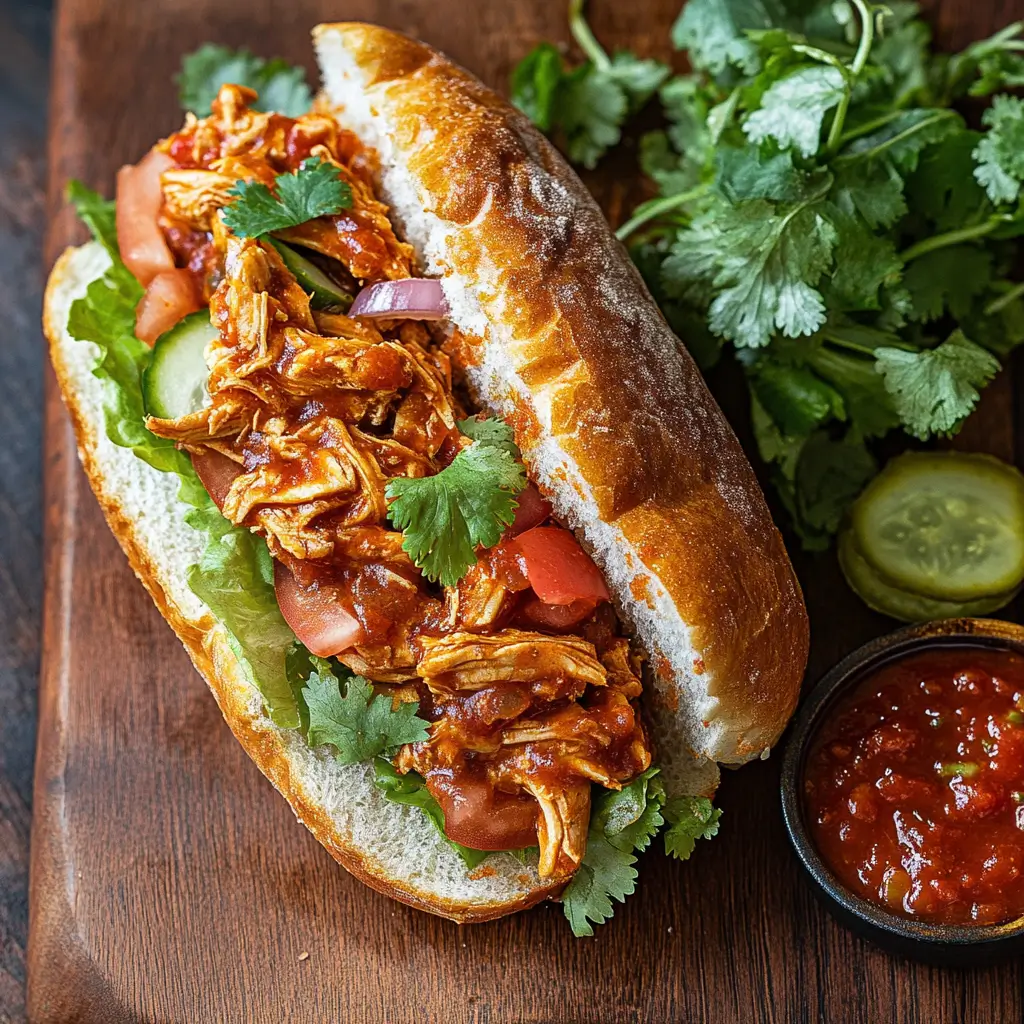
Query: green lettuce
234	575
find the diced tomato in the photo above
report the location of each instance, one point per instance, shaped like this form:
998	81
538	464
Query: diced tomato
169	297
216	473
556	616
142	244
532	511
316	614
560	571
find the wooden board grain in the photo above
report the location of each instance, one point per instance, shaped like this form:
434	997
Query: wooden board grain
169	882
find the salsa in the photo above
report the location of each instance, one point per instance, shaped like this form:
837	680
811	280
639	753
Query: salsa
914	789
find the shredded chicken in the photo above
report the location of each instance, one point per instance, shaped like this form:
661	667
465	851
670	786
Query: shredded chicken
318	411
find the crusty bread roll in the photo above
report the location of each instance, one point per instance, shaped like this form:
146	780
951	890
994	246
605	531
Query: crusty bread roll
615	424
610	411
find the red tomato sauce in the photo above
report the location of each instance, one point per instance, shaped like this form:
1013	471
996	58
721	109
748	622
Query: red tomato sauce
914	789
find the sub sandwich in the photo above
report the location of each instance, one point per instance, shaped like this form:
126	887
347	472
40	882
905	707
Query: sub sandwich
391	430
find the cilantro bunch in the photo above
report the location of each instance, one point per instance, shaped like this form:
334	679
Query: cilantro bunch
827	214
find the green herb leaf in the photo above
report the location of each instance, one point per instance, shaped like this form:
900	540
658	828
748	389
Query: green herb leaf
829	476
281	87
796	399
1000	154
491	432
606	873
445	517
592	108
691	818
316	189
349	717
793	108
714	33
934	390
903	137
950	278
764	263
535	82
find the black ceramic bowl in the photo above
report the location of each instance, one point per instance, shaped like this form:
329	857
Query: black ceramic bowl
950	944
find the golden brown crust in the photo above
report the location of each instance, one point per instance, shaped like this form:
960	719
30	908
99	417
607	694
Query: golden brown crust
626	401
216	663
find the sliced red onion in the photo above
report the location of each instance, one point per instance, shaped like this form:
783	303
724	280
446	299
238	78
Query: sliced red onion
412	298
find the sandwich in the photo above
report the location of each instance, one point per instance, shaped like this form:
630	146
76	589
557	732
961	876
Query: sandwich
390	429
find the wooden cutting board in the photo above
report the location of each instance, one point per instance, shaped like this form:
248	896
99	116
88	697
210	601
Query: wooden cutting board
171	884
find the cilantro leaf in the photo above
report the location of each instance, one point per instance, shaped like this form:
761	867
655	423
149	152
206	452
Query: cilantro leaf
950	278
96	213
445	517
794	397
535	82
1000	154
934	390
869	262
606	873
491	432
793	108
868	405
592	108
638	78
316	189
350	718
943	189
874	191
281	87
630	817
690	818
748	172
902	138
620	824
411	789
764	262
829	476
714	32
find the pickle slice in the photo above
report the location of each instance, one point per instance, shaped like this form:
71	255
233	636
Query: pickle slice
877	593
944	525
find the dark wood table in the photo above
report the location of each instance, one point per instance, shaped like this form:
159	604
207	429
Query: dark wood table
719	966
24	74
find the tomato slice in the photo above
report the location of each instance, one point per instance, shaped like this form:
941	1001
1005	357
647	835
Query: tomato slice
317	614
560	571
216	473
169	298
477	816
556	616
533	509
139	198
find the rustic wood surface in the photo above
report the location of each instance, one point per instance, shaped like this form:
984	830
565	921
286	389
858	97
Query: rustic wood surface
24	71
170	884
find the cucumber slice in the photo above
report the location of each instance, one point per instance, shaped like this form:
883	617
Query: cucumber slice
876	593
174	382
944	525
326	293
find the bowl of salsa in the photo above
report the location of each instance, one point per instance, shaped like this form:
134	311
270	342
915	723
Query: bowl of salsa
903	790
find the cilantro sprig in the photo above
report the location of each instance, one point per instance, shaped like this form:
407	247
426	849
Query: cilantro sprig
344	713
624	823
586	105
825	213
316	189
445	517
281	87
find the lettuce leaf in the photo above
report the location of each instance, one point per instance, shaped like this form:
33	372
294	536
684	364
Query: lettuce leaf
234	575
